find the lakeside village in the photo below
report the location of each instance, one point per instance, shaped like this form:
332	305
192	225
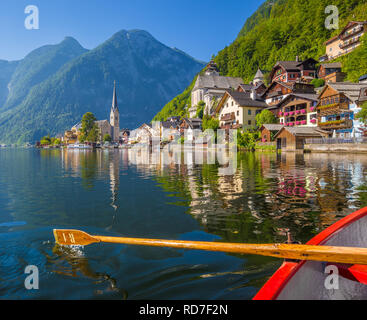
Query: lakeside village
306	106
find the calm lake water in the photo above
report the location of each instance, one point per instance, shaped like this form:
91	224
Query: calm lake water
117	193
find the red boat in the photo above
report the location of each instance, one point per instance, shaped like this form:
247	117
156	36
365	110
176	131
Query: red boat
305	280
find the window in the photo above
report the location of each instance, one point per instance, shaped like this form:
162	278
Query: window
238	113
249	112
249	122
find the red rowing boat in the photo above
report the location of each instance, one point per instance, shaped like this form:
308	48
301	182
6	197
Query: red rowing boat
305	280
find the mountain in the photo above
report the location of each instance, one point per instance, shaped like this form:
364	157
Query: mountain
38	66
6	71
148	75
281	30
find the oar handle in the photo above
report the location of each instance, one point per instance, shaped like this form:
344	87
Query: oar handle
286	251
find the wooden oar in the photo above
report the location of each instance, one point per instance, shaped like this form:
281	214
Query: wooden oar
349	255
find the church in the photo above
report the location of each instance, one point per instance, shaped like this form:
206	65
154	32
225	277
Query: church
111	127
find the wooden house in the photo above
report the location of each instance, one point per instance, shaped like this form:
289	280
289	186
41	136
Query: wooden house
292	71
337	107
298	110
294	138
268	131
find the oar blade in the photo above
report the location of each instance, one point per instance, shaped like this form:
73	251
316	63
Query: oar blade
73	238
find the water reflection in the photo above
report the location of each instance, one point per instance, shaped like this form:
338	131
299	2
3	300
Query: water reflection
172	195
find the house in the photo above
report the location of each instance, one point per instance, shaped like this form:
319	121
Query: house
298	110
346	41
210	88
72	136
170	129
278	91
294	138
337	107
239	109
331	72
124	135
292	71
190	124
144	134
268	131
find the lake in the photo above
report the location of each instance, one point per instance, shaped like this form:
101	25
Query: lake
121	193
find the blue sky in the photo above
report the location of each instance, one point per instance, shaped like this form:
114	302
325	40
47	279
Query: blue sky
199	27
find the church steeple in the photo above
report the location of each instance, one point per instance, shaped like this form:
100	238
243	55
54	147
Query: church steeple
115	117
114	99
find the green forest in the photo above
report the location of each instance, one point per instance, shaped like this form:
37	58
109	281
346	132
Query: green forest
280	30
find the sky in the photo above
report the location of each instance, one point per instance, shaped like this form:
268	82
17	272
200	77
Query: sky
201	28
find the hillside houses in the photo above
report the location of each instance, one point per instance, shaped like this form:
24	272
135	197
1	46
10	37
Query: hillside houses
346	41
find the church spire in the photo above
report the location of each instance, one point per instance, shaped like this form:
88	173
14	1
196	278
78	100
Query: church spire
114	100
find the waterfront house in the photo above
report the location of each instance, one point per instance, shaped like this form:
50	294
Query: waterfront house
337	107
72	136
268	131
170	129
292	71
298	110
239	109
210	87
294	138
346	41
331	72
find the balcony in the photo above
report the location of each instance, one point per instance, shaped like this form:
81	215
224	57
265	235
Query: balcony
351	33
333	108
228	117
350	42
337	124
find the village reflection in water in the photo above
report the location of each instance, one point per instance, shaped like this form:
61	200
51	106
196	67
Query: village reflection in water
266	194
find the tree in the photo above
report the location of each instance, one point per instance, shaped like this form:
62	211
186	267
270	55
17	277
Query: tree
265	117
89	129
362	115
45	141
200	109
317	83
107	138
210	123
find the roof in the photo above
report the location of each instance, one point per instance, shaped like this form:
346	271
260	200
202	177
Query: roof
334	65
349	89
303	131
259	74
244	99
193	122
351	23
306	96
291	65
114	99
273	127
215	81
364	77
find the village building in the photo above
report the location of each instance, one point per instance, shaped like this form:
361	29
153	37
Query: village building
210	88
337	107
331	72
294	138
278	91
268	132
346	41
239	109
292	71
298	110
72	136
170	129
